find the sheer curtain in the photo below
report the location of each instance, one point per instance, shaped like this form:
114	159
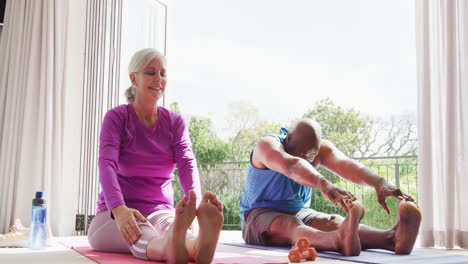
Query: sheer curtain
442	53
106	77
32	64
60	70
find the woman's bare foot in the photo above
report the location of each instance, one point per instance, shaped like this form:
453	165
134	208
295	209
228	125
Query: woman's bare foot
210	218
407	228
348	237
185	212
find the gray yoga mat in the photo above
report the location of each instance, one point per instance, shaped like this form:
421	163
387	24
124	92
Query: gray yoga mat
418	256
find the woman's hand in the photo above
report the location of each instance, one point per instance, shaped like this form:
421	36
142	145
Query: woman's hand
126	220
336	195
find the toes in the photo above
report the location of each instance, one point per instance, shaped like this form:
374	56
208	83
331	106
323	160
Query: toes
356	204
208	196
409	209
218	204
192	198
181	202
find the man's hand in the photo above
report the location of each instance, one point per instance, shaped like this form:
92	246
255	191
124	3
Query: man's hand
125	218
385	189
336	195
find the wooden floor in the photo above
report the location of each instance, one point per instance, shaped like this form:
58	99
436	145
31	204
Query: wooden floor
59	252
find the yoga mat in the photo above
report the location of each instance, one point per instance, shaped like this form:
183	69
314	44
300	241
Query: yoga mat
418	256
115	258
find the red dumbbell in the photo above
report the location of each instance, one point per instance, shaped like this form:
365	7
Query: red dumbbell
309	254
302	251
302	244
294	255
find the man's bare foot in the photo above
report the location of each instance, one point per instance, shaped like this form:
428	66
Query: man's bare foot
185	212
407	228
210	218
349	242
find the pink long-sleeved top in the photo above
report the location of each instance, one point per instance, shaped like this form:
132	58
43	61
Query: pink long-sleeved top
136	162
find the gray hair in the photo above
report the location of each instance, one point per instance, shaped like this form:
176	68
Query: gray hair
139	60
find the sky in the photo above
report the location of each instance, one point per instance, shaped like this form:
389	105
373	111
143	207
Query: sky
284	56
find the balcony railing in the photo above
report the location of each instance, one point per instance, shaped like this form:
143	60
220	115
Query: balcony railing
226	179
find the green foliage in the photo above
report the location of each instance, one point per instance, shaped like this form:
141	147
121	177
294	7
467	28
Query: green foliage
247	128
345	128
348	129
375	215
208	147
245	140
231	211
226	180
174	106
178	192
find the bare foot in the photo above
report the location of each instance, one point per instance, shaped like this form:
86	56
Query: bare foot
407	228
210	219
184	215
348	231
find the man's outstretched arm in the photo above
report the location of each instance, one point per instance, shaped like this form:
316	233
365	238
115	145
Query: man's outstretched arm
270	153
333	159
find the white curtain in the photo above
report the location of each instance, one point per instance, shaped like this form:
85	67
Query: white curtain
100	92
442	54
32	64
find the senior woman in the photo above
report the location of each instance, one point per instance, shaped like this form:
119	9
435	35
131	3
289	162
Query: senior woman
140	144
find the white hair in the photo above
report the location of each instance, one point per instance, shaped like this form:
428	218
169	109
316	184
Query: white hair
139	60
142	57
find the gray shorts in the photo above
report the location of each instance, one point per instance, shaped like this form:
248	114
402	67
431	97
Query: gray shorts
257	223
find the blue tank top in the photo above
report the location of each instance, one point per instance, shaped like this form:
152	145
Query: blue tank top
264	188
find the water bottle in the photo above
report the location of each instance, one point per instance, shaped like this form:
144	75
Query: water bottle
38	229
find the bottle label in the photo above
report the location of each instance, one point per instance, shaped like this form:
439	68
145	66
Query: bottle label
39	214
38	229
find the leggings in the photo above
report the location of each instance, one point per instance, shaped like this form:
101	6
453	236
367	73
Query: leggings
103	234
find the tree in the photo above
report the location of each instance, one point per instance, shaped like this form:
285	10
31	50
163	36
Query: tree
208	147
174	106
401	138
245	140
359	135
395	136
346	128
247	129
241	116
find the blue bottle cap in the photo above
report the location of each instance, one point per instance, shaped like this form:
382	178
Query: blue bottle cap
39	194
